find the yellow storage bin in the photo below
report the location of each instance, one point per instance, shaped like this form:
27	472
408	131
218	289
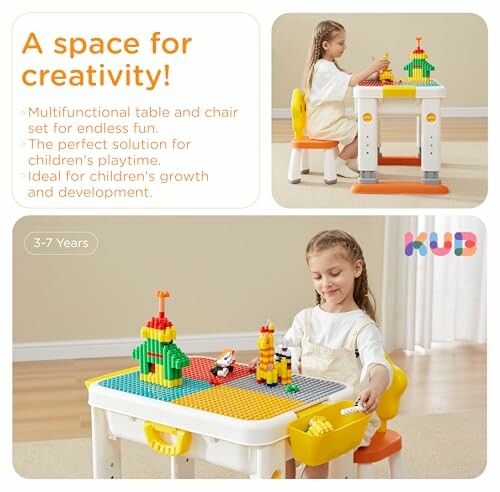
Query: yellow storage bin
347	433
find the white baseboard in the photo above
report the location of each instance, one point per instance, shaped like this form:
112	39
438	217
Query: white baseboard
446	112
122	347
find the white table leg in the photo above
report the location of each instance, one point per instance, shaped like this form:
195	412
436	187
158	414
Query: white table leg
270	461
368	145
106	452
181	467
431	140
419	137
379	140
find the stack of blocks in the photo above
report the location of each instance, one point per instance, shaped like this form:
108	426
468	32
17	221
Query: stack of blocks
385	75
419	69
160	360
273	366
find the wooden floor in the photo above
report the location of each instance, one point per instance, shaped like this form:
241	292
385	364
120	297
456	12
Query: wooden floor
50	398
404	130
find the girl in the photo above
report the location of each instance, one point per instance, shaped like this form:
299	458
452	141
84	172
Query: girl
338	338
325	89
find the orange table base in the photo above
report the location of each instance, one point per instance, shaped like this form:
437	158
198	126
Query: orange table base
400	188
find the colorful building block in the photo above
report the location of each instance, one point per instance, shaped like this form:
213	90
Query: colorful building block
224	365
160	360
385	75
357	408
274	366
419	69
319	425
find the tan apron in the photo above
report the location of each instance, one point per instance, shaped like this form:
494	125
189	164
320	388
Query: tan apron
340	364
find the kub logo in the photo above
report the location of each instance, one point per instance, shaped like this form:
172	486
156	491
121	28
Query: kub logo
462	243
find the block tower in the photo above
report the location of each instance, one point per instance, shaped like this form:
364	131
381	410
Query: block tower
385	75
160	360
419	69
273	366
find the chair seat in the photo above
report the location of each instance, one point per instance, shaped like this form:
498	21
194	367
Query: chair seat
311	143
382	445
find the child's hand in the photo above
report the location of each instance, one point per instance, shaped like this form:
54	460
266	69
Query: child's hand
370	399
253	364
378	65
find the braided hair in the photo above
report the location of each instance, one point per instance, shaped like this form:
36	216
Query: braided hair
324	31
362	294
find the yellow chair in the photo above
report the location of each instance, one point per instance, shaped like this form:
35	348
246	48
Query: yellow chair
386	443
299	158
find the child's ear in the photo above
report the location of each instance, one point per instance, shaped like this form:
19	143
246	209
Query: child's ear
358	268
324	45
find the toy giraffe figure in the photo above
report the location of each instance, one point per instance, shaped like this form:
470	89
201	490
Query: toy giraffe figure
273	366
161	360
267	371
385	75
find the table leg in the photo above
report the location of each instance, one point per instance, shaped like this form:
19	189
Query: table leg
270	461
419	138
368	145
181	467
106	452
431	140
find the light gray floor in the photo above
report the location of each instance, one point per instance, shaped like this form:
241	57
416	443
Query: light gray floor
464	170
451	445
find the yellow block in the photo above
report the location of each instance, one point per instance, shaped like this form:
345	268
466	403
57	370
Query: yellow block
156	378
162	336
238	403
399	91
319	425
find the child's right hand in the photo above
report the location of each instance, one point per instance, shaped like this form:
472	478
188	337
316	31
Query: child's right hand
378	65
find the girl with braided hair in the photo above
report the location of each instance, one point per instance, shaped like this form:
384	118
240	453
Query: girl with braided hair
326	87
338	338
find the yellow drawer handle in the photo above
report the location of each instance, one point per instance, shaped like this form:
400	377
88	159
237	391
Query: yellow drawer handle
153	431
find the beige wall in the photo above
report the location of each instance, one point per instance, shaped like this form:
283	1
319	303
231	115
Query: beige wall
225	274
456	44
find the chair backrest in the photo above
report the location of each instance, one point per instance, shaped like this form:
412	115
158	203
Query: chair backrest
389	402
299	118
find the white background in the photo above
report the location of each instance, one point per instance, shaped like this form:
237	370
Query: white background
265	12
212	73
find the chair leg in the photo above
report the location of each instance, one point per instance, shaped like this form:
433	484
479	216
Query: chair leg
397	466
294	166
330	165
364	470
304	162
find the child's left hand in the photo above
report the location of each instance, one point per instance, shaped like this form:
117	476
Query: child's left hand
370	399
